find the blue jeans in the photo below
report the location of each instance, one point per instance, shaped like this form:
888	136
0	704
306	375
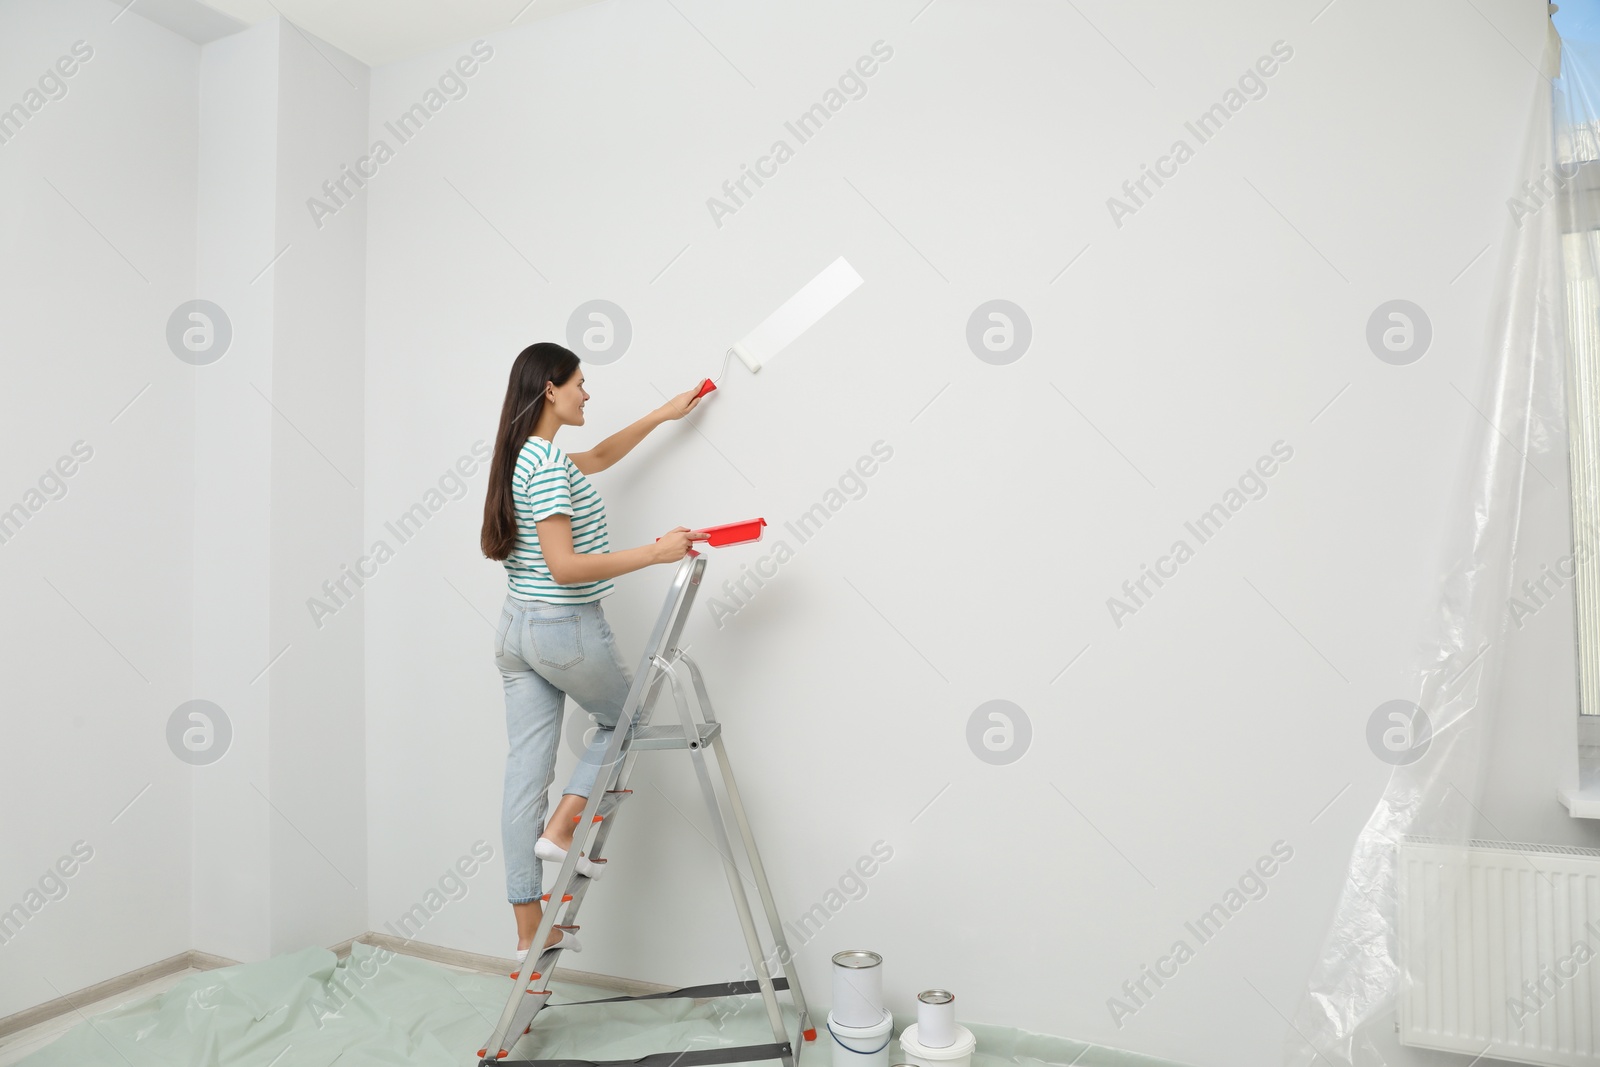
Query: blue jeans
547	652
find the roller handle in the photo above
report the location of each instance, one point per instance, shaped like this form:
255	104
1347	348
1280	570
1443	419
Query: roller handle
691	552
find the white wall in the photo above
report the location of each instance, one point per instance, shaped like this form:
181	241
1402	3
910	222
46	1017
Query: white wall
1223	316
280	828
318	730
176	562
233	462
97	236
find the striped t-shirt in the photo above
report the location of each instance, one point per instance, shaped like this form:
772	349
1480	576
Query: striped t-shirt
546	482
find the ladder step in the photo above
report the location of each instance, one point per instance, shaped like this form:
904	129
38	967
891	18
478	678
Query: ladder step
527	1011
547	959
653	738
687	1058
612	800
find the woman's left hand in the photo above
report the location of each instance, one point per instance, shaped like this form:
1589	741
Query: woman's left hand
682	404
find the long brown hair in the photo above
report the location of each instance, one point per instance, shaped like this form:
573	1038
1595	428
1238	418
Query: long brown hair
536	365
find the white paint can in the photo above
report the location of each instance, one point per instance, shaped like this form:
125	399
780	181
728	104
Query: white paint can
936	1018
957	1054
857	989
861	1046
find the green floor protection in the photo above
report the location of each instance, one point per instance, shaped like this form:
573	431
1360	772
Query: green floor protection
376	1008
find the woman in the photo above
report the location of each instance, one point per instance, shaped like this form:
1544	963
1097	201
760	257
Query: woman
547	524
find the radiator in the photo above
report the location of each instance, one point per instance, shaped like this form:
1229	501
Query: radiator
1499	950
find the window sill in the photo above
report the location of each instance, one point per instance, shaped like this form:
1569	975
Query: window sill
1581	803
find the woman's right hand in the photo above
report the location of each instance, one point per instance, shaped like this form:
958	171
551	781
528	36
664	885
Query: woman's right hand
674	544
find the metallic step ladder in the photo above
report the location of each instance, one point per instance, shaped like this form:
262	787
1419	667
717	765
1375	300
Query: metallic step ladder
662	661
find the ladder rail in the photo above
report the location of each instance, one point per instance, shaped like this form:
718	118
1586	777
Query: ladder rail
514	1020
534	999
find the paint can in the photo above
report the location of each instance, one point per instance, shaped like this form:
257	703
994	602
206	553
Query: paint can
857	988
936	1018
861	1046
957	1054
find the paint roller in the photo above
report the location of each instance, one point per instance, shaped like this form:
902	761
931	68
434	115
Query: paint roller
797	315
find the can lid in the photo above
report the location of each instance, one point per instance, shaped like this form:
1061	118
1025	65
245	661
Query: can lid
936	996
857	957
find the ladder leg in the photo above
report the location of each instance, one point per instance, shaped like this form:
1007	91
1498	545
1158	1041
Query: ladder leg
781	946
741	903
785	958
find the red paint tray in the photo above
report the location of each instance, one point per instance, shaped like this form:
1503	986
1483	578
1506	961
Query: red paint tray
733	533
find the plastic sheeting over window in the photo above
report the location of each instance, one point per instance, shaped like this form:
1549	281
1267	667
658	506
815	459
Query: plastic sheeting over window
1348	1013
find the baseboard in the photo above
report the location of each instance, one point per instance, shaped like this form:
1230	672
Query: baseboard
111	987
205	961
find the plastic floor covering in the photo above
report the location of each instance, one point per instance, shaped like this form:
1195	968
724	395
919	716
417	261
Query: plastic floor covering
375	1007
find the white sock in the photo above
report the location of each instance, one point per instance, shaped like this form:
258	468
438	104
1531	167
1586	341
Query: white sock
546	849
568	940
